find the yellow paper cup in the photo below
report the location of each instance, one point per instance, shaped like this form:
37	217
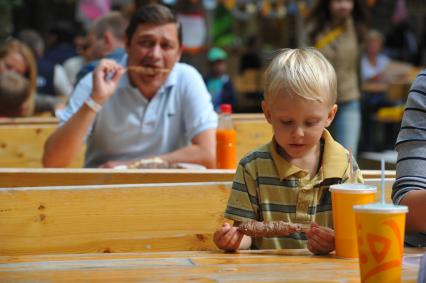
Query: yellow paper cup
380	233
343	198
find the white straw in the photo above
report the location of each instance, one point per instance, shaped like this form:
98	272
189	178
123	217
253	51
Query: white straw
383	180
351	169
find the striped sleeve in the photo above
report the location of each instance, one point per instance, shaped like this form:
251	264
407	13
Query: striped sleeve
243	204
411	143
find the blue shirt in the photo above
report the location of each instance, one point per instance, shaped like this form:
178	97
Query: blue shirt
129	126
222	91
115	55
369	71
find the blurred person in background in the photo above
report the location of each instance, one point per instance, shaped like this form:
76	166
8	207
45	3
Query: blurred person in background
17	57
218	81
337	28
74	64
373	64
59	42
373	61
13	93
106	39
53	86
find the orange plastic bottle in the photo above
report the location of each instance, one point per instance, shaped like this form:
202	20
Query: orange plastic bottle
226	155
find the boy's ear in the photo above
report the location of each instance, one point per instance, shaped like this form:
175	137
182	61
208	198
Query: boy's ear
331	115
266	111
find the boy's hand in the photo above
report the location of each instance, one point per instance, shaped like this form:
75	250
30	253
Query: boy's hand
228	237
320	239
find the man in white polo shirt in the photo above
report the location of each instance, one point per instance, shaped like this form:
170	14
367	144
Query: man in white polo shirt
148	105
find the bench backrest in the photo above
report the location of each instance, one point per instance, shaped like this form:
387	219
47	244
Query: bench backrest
115	218
21	146
111	218
388	188
43	177
22	139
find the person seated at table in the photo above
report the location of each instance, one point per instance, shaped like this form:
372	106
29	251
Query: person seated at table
148	105
16	56
373	61
218	81
13	93
288	179
410	183
104	40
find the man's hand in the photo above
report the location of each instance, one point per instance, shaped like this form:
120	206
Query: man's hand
116	164
106	78
145	163
320	239
228	238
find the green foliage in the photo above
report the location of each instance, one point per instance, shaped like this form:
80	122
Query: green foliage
8	4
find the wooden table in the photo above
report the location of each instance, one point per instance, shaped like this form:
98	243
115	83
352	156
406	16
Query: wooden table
191	266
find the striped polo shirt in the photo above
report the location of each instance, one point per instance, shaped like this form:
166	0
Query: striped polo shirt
266	187
411	148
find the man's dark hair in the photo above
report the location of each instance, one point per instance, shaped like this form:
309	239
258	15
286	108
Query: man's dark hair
113	22
152	14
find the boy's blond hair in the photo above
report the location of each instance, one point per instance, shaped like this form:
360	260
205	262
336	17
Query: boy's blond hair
304	72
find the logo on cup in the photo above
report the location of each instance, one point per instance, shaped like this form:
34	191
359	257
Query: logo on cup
374	249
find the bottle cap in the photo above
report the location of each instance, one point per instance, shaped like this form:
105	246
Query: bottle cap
226	108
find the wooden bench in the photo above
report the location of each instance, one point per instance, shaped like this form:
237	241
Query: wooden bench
111	218
43	177
388	188
6	121
22	139
252	131
22	145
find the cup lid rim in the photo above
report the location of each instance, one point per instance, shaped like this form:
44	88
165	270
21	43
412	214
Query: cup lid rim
363	188
380	208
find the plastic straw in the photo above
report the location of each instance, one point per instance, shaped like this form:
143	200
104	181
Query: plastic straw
383	180
351	169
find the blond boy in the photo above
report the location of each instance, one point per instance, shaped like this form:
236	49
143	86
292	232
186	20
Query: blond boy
288	179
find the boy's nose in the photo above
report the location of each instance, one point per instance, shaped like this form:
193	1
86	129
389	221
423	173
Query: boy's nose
299	132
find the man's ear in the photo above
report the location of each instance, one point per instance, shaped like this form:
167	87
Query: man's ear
179	52
331	115
266	111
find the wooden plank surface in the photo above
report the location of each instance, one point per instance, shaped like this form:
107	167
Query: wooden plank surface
111	218
4	121
40	177
22	139
388	188
32	177
192	266
22	145
252	132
